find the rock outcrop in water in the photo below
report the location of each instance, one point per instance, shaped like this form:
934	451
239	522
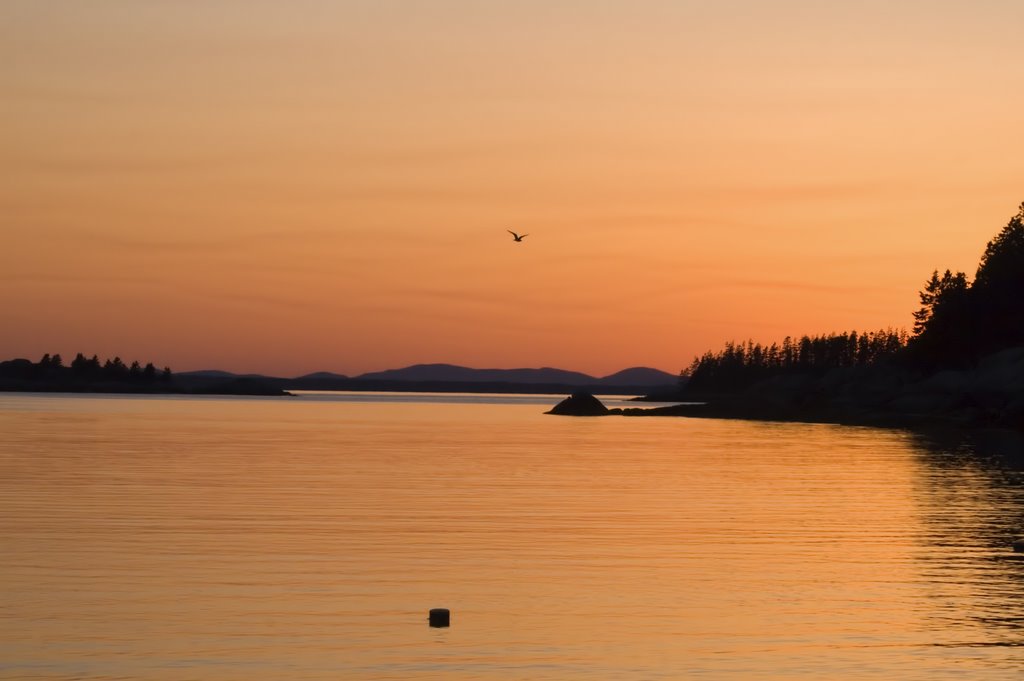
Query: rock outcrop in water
991	395
580	404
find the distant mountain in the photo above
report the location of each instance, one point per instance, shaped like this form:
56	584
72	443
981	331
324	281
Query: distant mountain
22	374
640	376
322	376
458	374
207	373
217	382
448	378
217	374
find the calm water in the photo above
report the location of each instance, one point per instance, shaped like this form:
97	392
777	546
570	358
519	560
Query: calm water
306	538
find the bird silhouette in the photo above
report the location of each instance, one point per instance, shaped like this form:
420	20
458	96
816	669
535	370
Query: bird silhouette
517	237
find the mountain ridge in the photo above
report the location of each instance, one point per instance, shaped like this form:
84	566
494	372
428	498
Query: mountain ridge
440	376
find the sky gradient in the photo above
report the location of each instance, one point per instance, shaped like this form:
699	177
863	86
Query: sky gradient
317	185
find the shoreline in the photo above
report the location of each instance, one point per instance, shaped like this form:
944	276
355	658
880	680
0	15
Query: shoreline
752	413
114	389
876	416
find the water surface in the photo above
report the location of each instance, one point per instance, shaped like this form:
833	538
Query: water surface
306	538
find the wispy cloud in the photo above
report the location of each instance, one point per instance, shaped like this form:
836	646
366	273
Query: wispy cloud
509	301
810	191
792	285
133	288
219	240
64	94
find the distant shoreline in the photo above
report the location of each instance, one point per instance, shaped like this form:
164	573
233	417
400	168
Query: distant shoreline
90	375
271	388
749	412
746	411
255	391
989	394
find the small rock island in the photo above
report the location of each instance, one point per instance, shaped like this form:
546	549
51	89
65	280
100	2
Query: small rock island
580	404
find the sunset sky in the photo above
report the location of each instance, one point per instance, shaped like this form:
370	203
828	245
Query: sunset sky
276	187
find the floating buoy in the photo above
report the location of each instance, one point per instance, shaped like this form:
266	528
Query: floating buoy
440	617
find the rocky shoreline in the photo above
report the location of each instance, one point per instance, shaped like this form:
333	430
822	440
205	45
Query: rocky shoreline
990	395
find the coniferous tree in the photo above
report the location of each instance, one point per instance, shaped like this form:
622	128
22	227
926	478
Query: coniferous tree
738	366
79	364
998	290
941	299
958	321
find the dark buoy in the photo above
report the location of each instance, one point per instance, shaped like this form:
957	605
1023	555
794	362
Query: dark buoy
440	617
1018	546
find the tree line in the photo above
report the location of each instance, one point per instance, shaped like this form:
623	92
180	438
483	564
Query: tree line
743	364
82	370
958	323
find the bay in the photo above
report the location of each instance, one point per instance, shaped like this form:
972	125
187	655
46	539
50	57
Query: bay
307	537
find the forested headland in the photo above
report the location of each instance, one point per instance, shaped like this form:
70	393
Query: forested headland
83	374
963	362
740	365
90	375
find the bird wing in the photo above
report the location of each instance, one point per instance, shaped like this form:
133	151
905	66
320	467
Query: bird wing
512	233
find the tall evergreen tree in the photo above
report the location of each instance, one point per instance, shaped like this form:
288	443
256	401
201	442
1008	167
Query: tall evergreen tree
941	297
958	321
998	289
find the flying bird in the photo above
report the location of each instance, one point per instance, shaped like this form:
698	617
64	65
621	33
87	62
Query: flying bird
517	237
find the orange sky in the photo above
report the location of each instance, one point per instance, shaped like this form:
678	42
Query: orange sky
324	185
